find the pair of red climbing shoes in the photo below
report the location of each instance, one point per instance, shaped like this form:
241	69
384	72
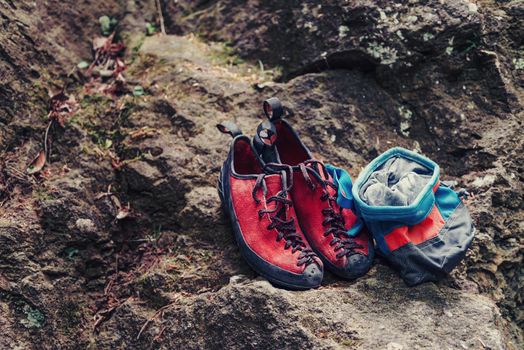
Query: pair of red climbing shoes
286	207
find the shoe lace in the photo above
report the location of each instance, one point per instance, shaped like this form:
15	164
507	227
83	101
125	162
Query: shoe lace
285	226
345	245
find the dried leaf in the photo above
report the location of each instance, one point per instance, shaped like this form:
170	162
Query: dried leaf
123	212
61	106
120	63
105	194
116	203
142	133
99	42
107	67
65	169
116	163
105	73
37	164
52	92
102	195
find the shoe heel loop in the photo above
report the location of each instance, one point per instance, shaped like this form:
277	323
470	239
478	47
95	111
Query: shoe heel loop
273	109
266	133
230	128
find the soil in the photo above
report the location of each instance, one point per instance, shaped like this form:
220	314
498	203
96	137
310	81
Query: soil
119	242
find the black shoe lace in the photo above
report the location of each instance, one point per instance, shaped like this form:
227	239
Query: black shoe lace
285	227
341	242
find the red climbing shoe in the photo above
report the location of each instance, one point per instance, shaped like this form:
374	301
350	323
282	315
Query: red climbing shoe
334	233
263	219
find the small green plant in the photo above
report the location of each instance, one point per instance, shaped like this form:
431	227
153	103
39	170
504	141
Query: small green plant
385	54
428	36
138	91
71	252
34	317
71	121
518	63
150	29
42	195
82	65
226	55
449	49
136	48
96	136
107	144
96	100
107	25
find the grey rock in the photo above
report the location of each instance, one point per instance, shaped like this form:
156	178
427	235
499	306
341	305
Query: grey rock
376	312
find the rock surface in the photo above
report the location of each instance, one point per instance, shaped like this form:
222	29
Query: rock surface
377	312
359	77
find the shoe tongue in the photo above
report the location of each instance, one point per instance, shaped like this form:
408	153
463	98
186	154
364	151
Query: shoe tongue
324	175
274	183
264	142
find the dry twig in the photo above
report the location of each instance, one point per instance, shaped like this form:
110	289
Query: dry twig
159	312
160	17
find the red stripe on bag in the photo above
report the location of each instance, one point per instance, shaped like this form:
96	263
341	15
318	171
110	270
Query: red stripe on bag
397	238
419	233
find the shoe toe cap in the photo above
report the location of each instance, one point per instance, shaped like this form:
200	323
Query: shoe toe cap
312	276
357	265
